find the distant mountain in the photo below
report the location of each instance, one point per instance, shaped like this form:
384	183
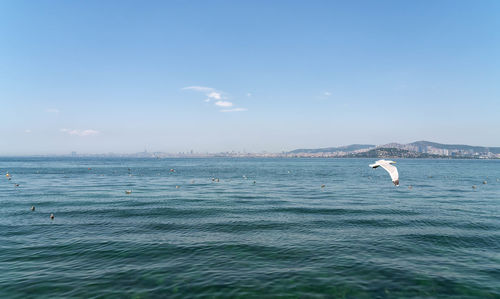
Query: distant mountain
418	149
387	152
346	148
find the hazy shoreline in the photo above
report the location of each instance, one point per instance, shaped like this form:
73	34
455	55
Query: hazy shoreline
237	157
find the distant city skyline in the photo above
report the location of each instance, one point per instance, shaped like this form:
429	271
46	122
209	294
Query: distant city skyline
216	76
417	149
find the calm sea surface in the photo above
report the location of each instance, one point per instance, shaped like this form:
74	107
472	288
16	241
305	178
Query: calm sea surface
284	235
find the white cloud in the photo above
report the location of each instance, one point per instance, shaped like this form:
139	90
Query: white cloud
52	110
234	110
27	131
211	93
215	95
219	96
223	103
199	88
88	132
326	93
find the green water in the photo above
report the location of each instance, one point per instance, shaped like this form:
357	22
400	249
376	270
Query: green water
282	236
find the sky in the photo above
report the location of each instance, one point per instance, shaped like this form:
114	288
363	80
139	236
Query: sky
211	76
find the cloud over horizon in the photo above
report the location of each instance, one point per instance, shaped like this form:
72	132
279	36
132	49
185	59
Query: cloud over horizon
223	103
210	92
87	132
219	96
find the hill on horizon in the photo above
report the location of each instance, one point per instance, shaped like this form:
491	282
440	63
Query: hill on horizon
423	147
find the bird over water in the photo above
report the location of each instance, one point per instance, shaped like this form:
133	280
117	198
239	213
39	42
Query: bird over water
391	169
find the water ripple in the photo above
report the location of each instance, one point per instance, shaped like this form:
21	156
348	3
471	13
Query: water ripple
282	236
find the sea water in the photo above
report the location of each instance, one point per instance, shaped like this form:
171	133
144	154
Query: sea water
265	228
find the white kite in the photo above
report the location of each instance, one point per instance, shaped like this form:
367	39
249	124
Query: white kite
392	170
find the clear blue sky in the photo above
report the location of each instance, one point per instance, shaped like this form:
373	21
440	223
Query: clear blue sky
122	76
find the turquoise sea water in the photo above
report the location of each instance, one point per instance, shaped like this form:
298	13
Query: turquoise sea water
284	235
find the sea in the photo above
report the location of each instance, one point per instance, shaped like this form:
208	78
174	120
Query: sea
248	228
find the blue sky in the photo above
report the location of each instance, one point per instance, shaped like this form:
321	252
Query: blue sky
122	76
